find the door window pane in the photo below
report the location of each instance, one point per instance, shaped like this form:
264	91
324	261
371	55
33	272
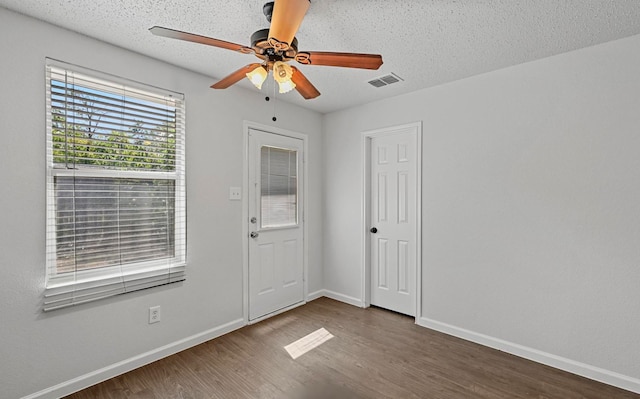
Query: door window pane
278	187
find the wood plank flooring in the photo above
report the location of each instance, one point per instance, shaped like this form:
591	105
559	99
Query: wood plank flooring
374	354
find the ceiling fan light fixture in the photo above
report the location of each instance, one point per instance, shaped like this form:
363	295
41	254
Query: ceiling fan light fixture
285	87
257	76
282	72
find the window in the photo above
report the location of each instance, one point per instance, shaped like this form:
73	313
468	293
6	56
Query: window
278	187
115	186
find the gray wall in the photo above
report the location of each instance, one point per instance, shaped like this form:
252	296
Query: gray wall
531	205
37	350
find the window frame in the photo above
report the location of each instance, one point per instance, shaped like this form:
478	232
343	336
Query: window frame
79	286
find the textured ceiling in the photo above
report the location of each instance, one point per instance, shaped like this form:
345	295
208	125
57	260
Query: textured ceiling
425	42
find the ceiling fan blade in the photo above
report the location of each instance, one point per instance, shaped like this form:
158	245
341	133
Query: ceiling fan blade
304	87
285	21
347	60
235	76
190	37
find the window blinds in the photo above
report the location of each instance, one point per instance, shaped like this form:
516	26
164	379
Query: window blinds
115	186
278	187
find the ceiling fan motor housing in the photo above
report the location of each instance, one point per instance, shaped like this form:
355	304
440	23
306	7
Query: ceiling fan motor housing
260	43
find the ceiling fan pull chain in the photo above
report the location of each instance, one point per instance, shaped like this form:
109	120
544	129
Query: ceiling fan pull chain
274	103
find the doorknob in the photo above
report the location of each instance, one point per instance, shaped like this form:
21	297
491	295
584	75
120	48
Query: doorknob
254	234
373	230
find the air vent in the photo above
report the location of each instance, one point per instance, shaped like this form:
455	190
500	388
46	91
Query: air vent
377	83
386	80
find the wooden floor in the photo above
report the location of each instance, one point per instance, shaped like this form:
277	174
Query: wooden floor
374	354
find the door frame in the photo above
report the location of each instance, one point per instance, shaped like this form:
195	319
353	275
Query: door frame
246	126
367	136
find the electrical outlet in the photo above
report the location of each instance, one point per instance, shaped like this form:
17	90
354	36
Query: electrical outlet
154	314
235	193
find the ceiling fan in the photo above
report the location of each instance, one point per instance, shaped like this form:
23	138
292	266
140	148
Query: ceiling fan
277	46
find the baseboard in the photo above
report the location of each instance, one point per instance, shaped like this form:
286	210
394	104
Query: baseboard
315	295
95	377
343	298
277	312
571	366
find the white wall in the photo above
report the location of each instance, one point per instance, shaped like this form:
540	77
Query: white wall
531	206
37	350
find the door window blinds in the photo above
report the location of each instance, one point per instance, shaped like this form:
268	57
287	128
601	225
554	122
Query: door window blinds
278	187
116	209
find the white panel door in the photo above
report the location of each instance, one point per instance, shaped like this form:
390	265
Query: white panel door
394	222
275	223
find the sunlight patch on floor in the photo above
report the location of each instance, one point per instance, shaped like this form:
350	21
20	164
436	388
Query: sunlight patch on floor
305	344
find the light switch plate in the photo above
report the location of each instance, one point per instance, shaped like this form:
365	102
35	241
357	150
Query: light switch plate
235	193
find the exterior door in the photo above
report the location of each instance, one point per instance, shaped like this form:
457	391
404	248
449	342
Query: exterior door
276	256
393	232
